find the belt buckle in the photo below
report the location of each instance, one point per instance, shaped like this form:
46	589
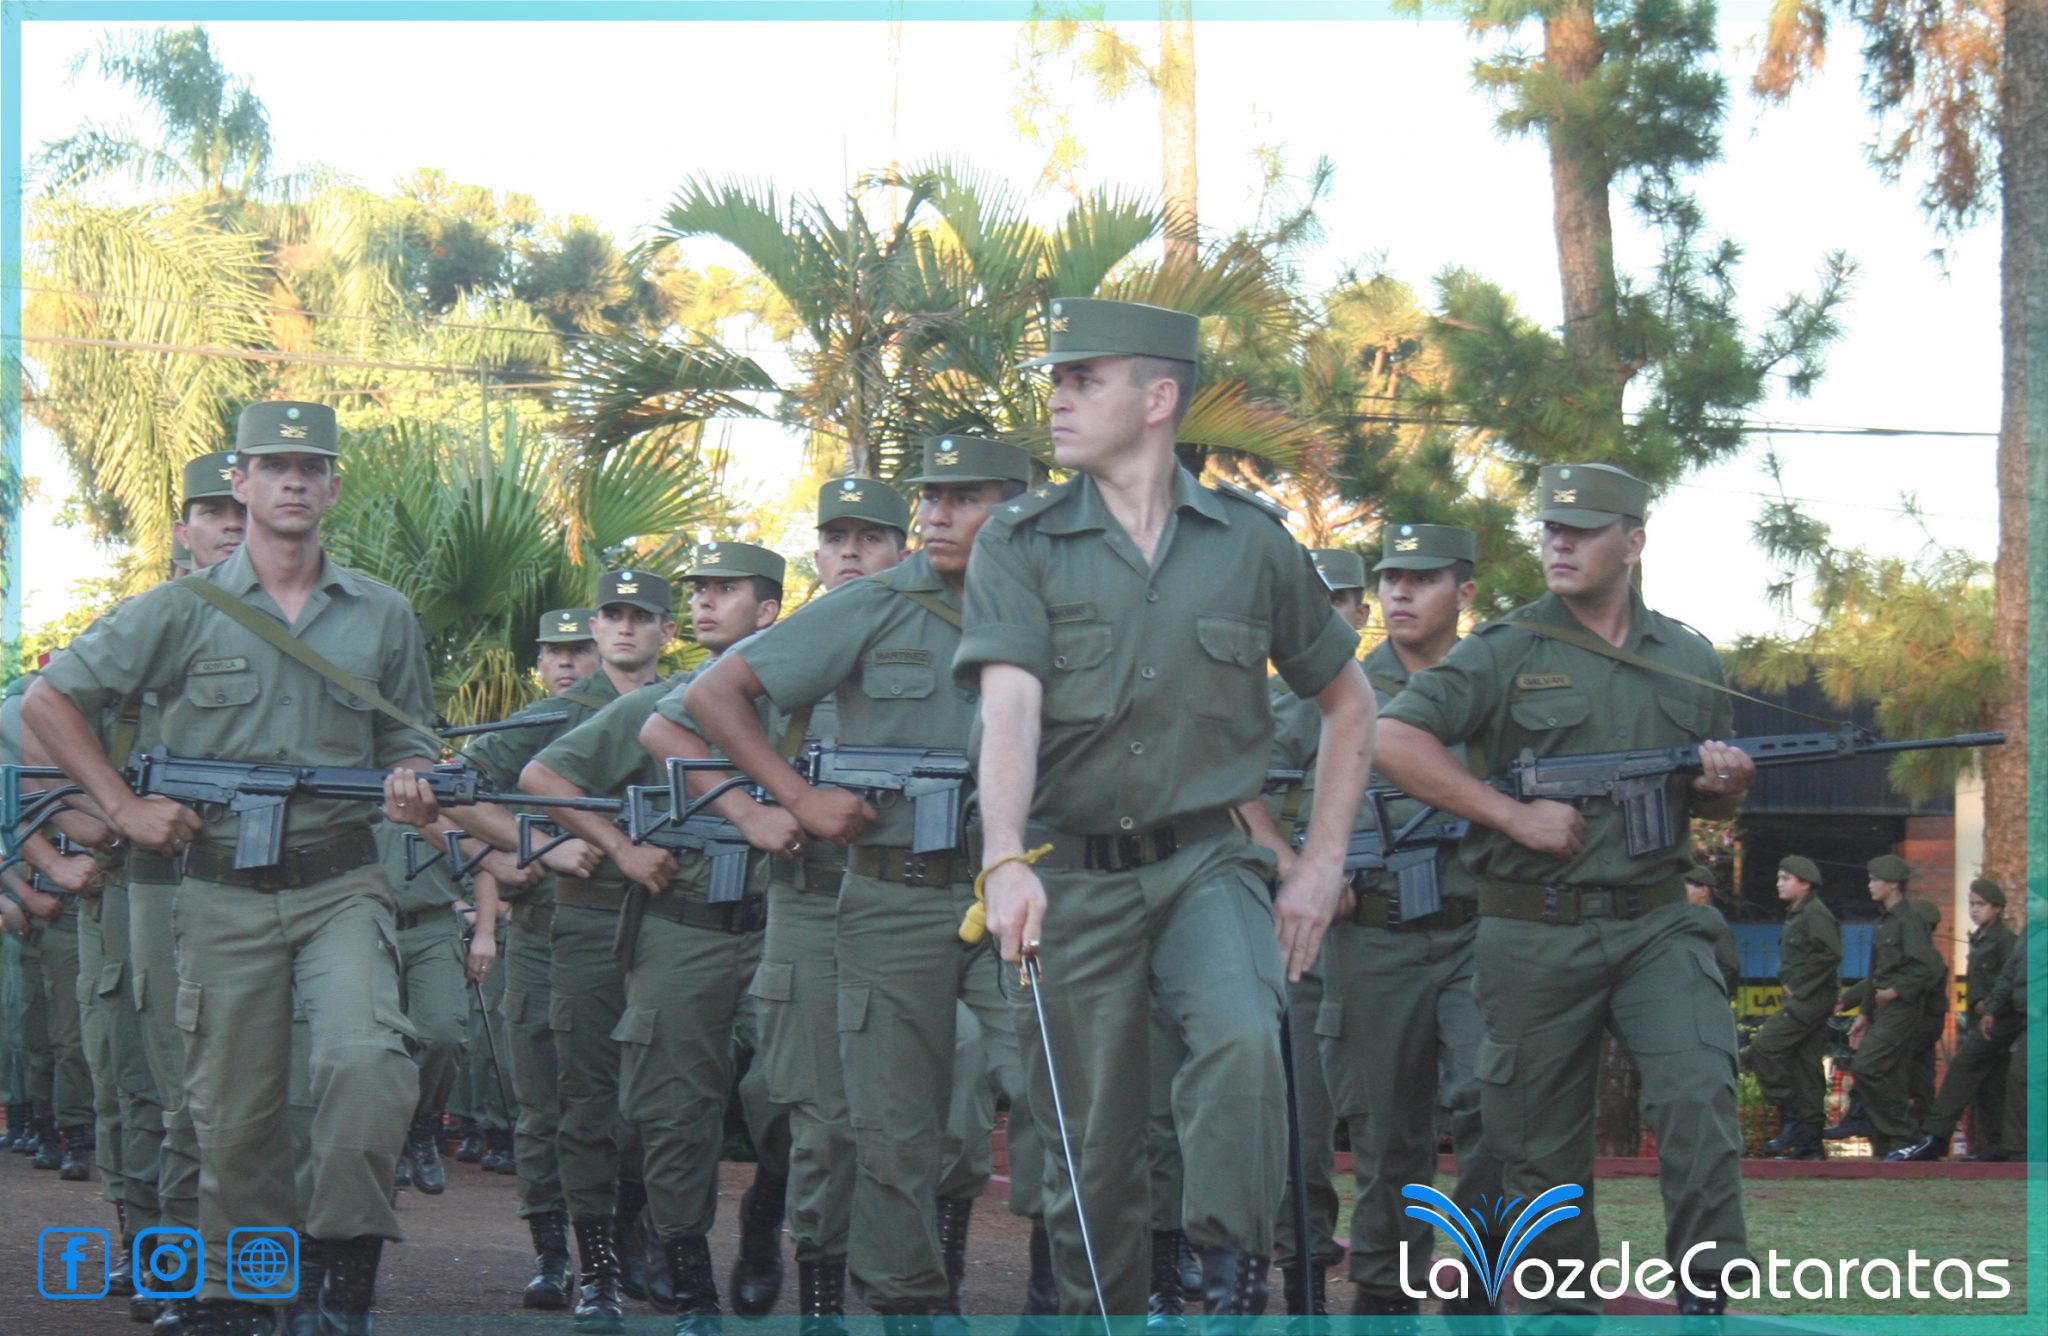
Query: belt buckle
913	869
1552	905
1130	851
1596	904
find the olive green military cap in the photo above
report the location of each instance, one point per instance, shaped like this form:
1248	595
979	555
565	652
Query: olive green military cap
712	561
566	626
1889	867
285	428
1590	496
868	499
207	476
1988	891
1340	567
1084	327
973	459
1802	867
1425	547
1699	875
635	589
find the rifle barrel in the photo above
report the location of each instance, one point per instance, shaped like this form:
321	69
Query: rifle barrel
498	726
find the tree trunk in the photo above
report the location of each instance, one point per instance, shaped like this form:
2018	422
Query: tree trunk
1579	181
1177	127
2023	189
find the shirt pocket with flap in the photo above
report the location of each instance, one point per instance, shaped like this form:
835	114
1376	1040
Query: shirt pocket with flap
1543	711
1079	690
1232	676
897	681
220	683
345	723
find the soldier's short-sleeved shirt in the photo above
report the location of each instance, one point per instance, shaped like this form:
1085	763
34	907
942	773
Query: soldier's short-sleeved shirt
1810	953
1502	690
500	756
227	693
887	662
1155	704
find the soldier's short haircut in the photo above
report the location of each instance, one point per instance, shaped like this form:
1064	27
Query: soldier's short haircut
1461	571
1145	370
765	589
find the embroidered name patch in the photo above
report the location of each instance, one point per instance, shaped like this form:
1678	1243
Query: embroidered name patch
1541	681
218	666
1070	612
921	657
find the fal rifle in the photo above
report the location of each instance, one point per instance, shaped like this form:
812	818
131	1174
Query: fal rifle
933	779
1408	851
644	816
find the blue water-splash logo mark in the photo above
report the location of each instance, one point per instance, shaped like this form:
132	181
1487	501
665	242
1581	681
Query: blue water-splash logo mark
1514	1235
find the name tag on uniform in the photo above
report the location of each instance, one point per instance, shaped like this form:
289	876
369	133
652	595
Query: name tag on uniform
205	666
1070	612
921	657
1541	681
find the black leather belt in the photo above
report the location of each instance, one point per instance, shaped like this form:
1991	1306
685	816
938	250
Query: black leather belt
412	918
734	916
1569	904
1375	908
295	868
531	917
1119	853
153	869
589	895
886	863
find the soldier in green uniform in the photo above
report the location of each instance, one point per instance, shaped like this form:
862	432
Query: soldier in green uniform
1934	1009
1400	1030
319	924
1118	629
1977	1071
1786	1051
1699	893
565	648
1904	968
436	1000
687	962
1576	936
883	646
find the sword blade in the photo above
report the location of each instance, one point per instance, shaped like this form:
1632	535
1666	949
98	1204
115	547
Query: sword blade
1059	1114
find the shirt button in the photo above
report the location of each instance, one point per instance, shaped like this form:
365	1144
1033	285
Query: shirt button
1124	823
1553	719
1137	749
1059	661
286	700
896	691
280	753
1148	672
1151	595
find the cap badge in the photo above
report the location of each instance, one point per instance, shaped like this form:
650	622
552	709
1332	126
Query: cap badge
1057	308
1407	544
292	413
846	486
1564	496
850	494
625	588
1060	323
1565	472
291	433
227	475
1407	529
946	459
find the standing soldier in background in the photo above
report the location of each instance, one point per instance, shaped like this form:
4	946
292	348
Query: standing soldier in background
1699	893
320	923
1118	630
1904	967
1787	1049
1934	1009
1578	936
1977	1071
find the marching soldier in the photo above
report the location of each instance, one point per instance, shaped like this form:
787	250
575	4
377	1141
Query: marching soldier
1977	1071
1118	629
1576	935
1786	1051
1904	967
212	647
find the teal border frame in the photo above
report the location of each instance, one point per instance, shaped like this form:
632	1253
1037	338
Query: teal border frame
13	13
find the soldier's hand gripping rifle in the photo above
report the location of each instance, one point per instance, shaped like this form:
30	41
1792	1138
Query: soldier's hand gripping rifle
933	779
1636	780
646	817
1408	851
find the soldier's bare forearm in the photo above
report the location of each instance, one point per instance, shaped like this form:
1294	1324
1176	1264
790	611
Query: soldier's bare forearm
1343	764
1010	700
1423	768
590	827
738	733
73	746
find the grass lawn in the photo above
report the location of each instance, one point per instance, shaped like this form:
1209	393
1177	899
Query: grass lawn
1836	1219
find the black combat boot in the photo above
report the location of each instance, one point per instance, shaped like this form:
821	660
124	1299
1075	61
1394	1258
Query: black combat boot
17	1114
226	1317
597	1303
1190	1267
1042	1290
1318	1296
689	1269
401	1174
643	1268
76	1166
121	1265
169	1320
757	1271
472	1148
955	1214
821	1297
1791	1131
1711	1302
1166	1309
1364	1304
49	1145
422	1155
1233	1281
145	1310
349	1289
498	1156
302	1315
552	1277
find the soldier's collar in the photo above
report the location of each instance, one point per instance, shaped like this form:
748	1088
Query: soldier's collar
238	576
1085	509
914	572
1643	624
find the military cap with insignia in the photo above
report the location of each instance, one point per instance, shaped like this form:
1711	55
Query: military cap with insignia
1340	567
1889	867
717	561
1802	867
1084	327
868	499
973	459
565	626
1988	891
1699	875
207	476
635	589
284	428
1590	496
1425	547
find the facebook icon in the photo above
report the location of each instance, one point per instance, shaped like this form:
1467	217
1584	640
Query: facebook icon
67	1264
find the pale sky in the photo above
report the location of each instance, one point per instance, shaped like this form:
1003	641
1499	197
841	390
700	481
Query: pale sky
607	119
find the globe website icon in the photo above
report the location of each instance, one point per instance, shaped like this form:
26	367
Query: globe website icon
263	1263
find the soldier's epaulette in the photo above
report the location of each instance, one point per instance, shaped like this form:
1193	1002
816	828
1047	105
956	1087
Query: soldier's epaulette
1032	503
1271	509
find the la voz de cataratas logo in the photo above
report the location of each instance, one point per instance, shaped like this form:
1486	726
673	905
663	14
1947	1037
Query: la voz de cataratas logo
1775	1277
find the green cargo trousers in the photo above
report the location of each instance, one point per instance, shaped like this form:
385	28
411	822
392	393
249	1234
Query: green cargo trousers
685	994
1400	1032
1881	1065
153	966
130	1115
13	1080
796	1005
903	971
1197	929
987	1070
38	1061
1549	993
586	997
1786	1053
436	993
1976	1076
1920	1087
243	956
71	1075
484	1035
529	1052
96	1039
